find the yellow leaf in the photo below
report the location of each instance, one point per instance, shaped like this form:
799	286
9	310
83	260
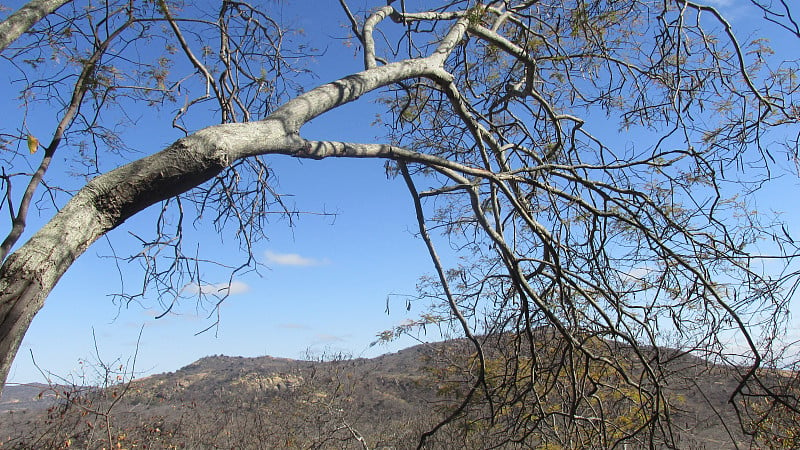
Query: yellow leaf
33	144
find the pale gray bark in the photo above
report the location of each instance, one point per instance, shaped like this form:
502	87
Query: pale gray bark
579	244
23	19
30	273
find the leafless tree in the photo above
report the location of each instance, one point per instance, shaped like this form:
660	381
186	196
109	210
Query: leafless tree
597	161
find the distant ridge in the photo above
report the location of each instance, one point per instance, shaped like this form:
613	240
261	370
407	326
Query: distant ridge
394	397
23	396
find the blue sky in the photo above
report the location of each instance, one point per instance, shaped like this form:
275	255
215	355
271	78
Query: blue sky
327	281
325	288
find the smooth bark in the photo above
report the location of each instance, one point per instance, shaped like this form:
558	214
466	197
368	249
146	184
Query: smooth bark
30	273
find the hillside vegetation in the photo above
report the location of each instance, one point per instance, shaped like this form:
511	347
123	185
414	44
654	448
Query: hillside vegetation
385	402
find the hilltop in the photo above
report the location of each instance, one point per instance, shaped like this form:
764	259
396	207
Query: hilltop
264	402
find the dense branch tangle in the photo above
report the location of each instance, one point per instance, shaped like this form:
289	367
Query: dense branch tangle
591	241
605	245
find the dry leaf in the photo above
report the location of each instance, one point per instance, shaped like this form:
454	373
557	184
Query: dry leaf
33	144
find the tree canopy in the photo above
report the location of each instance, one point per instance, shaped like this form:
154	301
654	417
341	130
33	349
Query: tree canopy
597	163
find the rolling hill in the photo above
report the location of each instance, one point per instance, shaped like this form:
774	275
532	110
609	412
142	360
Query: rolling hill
266	402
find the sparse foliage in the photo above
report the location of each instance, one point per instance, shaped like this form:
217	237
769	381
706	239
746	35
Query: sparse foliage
596	164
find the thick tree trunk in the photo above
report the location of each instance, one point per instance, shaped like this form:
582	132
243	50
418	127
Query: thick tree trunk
30	273
24	18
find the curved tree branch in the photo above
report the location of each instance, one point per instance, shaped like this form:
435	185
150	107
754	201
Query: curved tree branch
30	273
24	18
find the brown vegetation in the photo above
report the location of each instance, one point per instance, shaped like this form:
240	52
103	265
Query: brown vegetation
385	402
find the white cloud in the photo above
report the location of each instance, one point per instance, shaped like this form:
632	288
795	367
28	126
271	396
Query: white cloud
233	288
636	274
292	259
294	326
733	10
325	337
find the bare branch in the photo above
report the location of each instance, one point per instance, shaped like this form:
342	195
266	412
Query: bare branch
24	18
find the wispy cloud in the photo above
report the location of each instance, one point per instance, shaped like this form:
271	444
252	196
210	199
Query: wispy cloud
328	338
292	259
733	10
294	326
636	274
233	288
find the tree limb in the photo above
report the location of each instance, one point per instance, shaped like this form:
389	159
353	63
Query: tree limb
24	18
